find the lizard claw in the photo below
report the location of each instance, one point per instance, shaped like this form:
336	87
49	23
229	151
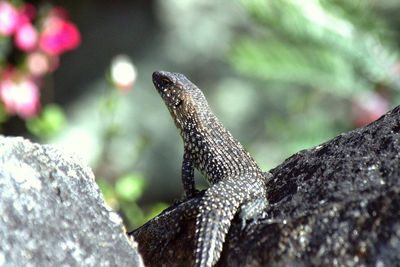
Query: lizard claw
253	210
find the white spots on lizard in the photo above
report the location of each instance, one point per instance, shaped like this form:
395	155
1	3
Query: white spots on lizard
210	148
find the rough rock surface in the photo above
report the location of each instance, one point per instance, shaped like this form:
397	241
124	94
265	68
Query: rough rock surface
337	204
53	213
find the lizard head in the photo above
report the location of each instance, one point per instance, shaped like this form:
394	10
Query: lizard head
172	87
182	98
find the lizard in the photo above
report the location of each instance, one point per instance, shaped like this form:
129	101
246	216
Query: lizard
236	179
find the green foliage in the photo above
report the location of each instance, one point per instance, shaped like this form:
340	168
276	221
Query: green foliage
108	191
316	58
48	123
123	195
329	45
3	114
130	186
279	61
110	103
156	209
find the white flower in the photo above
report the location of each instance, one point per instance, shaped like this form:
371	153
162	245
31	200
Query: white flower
123	72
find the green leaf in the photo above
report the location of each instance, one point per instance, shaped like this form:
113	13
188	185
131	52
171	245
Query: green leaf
48	123
316	43
156	209
133	213
106	188
3	114
130	186
275	60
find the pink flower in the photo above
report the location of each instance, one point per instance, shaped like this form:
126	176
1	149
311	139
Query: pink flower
26	37
59	36
368	108
9	18
20	98
38	63
28	10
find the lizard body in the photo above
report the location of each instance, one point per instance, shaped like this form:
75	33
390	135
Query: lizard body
235	177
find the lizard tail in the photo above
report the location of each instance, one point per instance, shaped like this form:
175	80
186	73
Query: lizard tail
217	209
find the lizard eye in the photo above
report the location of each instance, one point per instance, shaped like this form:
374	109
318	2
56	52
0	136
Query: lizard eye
166	82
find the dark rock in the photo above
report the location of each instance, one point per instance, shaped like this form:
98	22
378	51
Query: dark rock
337	204
53	213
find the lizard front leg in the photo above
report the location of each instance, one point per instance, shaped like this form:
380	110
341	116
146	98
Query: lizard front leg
188	175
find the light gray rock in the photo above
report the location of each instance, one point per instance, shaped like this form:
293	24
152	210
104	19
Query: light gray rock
53	213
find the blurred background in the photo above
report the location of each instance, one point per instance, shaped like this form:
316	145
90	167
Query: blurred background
282	76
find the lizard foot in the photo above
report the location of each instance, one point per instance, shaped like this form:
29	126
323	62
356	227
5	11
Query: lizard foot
253	210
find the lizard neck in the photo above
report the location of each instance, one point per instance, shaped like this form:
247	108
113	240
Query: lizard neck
213	150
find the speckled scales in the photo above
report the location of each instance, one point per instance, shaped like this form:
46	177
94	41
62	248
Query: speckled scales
211	149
